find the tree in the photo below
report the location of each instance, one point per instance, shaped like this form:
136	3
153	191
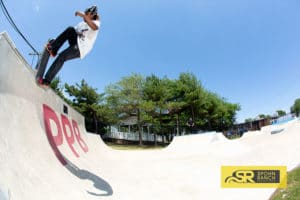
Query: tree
87	101
229	116
263	116
296	107
217	113
249	120
281	113
155	94
58	88
126	96
166	104
190	89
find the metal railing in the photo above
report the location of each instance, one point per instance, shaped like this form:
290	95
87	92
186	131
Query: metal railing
133	136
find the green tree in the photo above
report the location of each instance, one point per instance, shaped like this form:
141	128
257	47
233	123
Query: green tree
155	94
87	101
296	107
228	117
217	113
126	97
263	116
281	113
249	120
166	104
190	94
58	88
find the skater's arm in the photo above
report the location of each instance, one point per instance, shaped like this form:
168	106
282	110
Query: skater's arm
87	19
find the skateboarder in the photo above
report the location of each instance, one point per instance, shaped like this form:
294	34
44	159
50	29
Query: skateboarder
81	39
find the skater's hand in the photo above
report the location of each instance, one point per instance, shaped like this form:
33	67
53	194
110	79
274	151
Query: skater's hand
80	14
88	18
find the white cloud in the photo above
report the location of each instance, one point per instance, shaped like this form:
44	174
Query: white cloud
36	5
37	8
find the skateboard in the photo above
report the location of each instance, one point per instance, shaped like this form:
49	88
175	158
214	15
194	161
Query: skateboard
41	65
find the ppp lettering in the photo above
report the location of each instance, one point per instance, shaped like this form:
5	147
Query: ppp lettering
64	129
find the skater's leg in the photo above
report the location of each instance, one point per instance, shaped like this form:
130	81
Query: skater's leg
68	34
68	54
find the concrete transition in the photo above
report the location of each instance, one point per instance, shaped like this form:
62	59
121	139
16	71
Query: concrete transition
46	153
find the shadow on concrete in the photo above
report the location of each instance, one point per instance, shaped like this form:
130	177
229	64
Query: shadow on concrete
99	183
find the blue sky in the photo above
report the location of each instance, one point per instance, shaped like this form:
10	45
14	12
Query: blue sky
246	51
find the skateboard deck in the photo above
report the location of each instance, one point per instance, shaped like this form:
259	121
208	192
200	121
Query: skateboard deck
42	64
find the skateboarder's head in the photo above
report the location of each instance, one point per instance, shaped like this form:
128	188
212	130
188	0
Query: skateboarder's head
93	11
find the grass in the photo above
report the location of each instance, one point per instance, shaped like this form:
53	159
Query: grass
233	137
132	147
292	192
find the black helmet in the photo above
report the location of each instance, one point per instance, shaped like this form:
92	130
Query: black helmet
93	10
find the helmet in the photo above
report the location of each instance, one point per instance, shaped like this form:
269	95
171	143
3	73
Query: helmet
93	10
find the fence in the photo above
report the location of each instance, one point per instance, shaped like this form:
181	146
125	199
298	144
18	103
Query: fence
147	137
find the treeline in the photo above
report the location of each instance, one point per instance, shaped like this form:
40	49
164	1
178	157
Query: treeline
163	104
279	113
294	109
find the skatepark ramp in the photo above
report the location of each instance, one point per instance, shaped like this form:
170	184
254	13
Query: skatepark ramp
46	153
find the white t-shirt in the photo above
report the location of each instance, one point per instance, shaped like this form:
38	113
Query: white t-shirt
87	37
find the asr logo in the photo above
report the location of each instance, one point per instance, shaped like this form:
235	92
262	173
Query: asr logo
253	176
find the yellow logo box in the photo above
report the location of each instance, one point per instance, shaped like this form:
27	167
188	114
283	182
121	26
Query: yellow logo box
253	176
